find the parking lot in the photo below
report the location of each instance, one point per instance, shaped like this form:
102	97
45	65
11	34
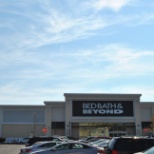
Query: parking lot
10	148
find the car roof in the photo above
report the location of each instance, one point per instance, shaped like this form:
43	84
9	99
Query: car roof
41	142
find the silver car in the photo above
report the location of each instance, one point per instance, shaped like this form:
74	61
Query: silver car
102	143
38	146
71	148
95	143
147	151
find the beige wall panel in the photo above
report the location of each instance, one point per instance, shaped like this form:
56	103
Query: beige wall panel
146	114
58	114
59	132
130	131
75	132
22	130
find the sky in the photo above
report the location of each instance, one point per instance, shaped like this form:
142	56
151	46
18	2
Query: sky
52	47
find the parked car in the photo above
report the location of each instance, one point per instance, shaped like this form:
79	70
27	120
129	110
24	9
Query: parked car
33	140
86	139
24	140
71	138
16	140
128	145
102	143
71	148
64	138
92	138
38	146
95	143
147	151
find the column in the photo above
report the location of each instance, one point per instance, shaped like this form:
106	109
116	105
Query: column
1	121
67	117
137	115
48	119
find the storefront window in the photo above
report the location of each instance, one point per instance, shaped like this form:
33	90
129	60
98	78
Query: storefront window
104	129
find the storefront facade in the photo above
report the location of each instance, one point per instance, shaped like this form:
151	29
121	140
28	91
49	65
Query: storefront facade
100	114
81	115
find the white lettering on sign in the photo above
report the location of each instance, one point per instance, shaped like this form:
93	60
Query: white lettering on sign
102	105
102	111
102	108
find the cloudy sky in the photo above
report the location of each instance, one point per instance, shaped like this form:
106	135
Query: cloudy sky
52	47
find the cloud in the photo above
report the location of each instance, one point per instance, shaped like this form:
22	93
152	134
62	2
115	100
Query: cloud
116	58
111	4
18	95
79	71
146	91
49	24
64	67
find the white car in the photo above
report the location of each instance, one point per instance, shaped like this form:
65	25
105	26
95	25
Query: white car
23	140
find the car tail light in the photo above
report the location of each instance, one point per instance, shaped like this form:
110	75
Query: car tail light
114	152
28	150
100	152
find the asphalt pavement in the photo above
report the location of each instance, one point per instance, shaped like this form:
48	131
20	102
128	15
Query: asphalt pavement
10	148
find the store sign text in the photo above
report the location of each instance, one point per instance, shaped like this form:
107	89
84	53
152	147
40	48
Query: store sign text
105	108
102	108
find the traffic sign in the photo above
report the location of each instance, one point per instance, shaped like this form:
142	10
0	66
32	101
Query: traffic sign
44	130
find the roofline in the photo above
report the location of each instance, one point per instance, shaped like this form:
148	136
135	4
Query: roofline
102	94
52	102
21	105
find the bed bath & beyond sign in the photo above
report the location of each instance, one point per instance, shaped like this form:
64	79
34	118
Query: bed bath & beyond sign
105	108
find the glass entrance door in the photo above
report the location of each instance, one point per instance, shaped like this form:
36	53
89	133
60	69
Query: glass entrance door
117	133
104	129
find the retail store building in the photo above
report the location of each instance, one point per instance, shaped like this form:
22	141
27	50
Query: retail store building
80	115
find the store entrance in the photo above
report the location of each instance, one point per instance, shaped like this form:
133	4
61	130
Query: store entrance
105	129
117	133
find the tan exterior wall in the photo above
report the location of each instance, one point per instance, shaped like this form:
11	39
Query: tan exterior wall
58	131
22	130
61	111
69	97
75	132
54	112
